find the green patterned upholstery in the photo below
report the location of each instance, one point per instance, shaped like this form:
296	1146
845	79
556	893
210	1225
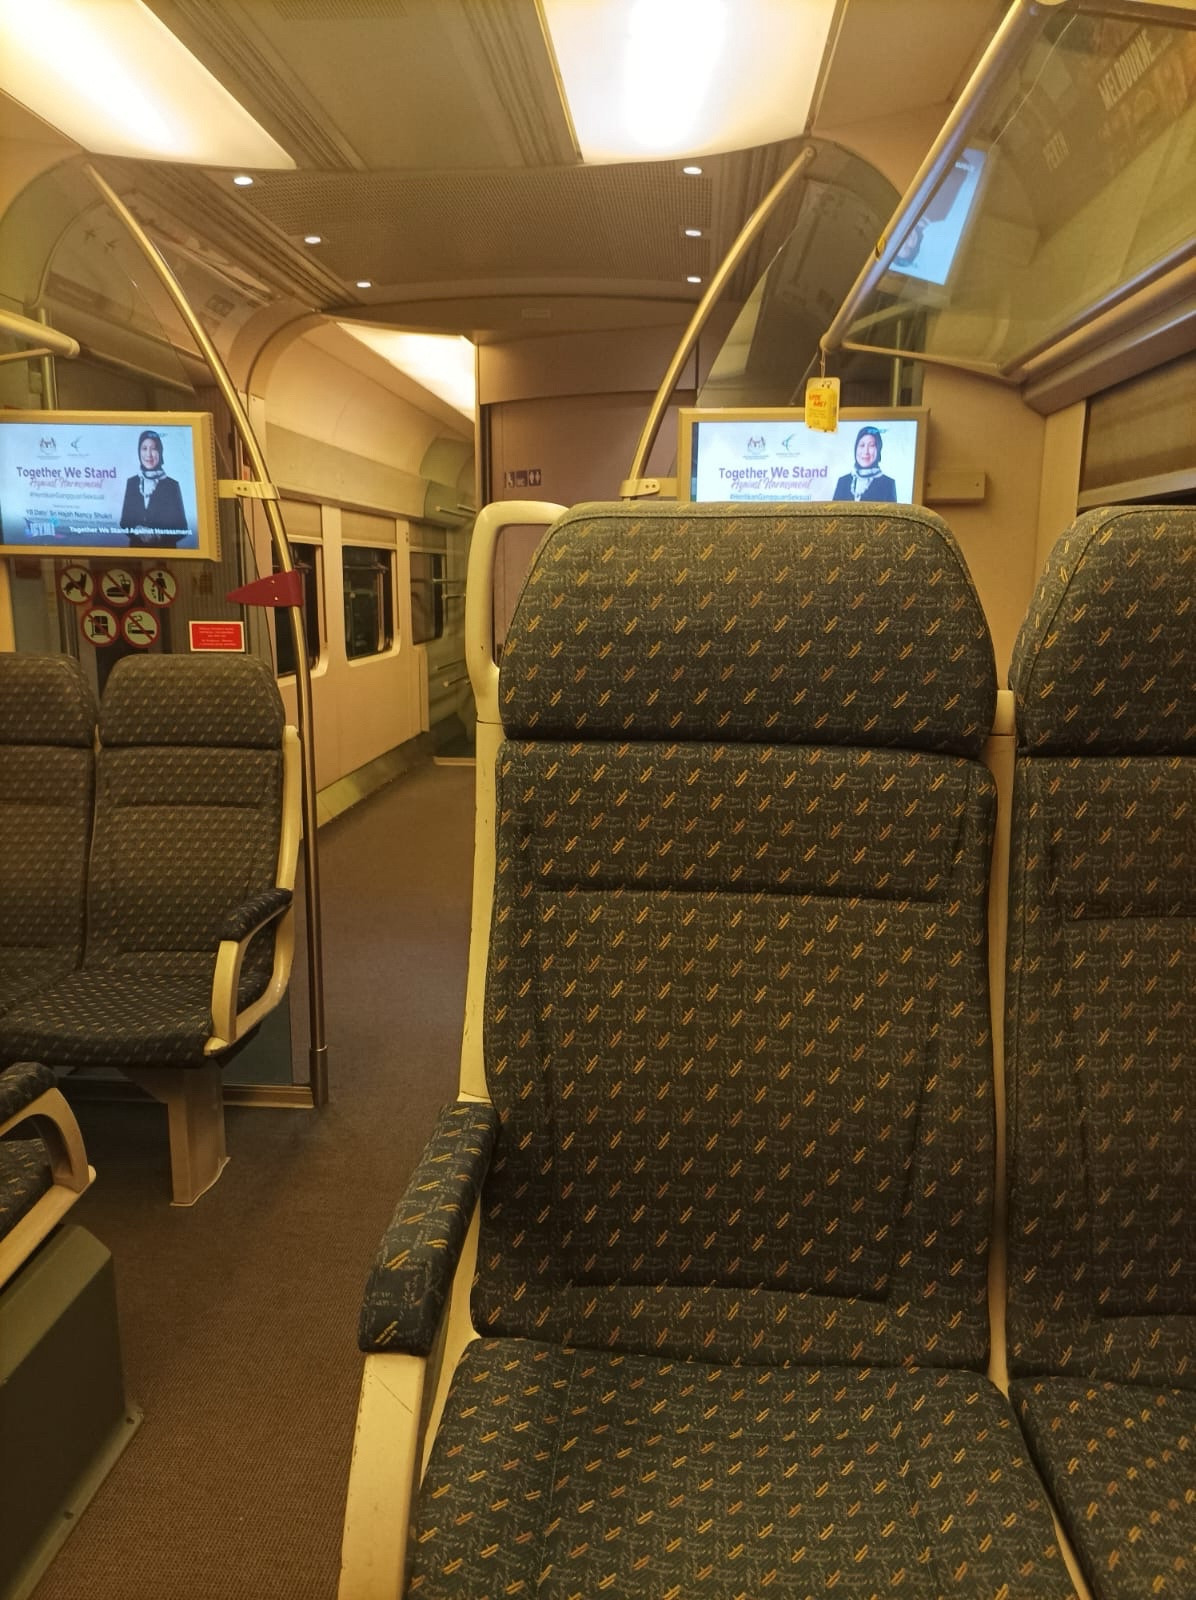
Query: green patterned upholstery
47	733
732	1265
188	800
591	1474
1102	1000
733	640
1119	1458
407	1287
1101	1019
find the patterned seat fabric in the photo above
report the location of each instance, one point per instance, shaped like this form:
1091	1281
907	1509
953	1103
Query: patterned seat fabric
188	800
47	734
737	1037
1101	1018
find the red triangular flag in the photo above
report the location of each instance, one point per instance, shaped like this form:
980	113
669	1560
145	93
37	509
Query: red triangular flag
275	589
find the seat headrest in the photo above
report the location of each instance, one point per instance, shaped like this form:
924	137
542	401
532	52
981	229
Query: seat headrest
228	701
1105	662
795	624
45	700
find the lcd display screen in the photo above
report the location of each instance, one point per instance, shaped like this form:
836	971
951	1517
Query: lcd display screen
772	455
88	483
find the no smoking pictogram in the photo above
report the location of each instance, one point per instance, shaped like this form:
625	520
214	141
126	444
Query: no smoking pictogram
140	628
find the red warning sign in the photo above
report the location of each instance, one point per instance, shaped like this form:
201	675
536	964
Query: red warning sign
140	627
99	625
118	586
76	584
217	635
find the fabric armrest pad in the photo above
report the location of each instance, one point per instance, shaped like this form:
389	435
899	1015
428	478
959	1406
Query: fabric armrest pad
413	1269
252	914
21	1084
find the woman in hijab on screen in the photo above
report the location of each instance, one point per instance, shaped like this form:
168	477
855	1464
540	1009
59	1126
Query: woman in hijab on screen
866	481
152	500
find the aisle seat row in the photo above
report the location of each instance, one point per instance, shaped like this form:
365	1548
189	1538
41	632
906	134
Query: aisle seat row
147	862
700	1288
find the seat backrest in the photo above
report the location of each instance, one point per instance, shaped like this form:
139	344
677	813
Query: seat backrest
188	811
1102	956
47	737
737	1022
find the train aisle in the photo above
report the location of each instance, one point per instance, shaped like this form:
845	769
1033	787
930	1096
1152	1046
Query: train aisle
239	1315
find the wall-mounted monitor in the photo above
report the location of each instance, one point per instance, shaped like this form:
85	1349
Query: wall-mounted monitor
86	483
930	249
770	454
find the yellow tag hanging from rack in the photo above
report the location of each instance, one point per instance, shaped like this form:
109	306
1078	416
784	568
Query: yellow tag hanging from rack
822	404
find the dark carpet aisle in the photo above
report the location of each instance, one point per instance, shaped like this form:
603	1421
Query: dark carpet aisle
238	1316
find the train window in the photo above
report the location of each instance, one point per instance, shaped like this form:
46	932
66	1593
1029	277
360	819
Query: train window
427	596
307	561
369	600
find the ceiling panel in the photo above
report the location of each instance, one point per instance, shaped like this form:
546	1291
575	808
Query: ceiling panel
436	159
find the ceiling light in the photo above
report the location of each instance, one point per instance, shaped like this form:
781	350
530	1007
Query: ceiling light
649	79
365	283
692	172
693	279
242	180
312	238
441	363
111	76
693	233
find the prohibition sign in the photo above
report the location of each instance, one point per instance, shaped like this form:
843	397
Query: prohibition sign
140	628
118	586
76	584
99	625
160	587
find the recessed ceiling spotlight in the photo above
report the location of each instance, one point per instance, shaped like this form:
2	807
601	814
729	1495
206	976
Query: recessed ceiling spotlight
312	238
242	180
692	172
693	233
693	279
365	283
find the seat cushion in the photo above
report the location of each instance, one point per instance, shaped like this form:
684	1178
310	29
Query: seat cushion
112	1019
27	970
24	1177
1120	1462
567	1473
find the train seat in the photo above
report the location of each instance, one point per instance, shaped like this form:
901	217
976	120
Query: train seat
47	761
43	1169
729	1319
1101	1017
64	1415
189	894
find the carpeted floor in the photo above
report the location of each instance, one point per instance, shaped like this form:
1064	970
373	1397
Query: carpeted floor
238	1316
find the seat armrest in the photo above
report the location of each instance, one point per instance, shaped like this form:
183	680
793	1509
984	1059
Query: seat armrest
20	1086
413	1270
240	925
243	921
